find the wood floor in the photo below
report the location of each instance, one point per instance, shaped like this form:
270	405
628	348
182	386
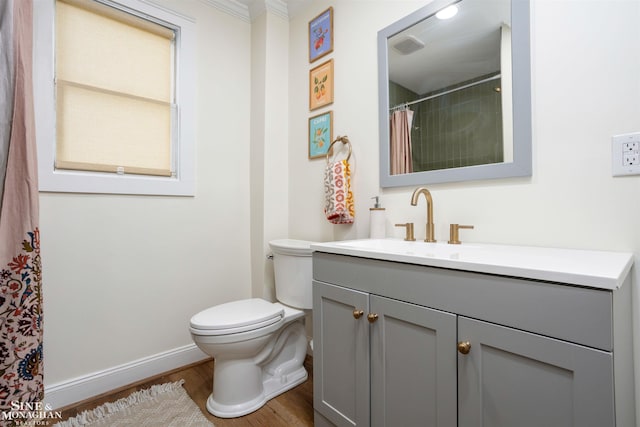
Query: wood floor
293	408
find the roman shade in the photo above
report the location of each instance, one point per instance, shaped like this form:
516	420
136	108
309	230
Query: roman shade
114	90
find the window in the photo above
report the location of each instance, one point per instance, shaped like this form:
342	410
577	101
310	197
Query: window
115	106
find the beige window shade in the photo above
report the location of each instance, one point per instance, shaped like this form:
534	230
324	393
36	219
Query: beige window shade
114	90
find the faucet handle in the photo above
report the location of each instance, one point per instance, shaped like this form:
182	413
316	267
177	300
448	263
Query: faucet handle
453	233
409	231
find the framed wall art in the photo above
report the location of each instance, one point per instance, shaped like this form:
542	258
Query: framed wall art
321	35
321	85
320	134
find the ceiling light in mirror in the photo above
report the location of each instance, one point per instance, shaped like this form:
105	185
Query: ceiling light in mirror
448	12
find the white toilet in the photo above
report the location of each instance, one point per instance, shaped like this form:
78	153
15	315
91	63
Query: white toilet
258	346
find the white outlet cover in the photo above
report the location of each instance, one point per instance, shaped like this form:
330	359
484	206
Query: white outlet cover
622	146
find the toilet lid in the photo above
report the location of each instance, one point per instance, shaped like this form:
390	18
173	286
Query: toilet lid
238	316
291	247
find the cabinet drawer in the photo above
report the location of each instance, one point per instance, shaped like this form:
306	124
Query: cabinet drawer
570	313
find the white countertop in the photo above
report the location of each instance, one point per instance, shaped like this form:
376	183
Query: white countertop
598	269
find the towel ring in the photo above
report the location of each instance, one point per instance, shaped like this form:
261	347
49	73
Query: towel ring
344	140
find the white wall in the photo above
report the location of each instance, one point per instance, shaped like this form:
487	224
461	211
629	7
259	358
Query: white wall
586	86
124	274
269	142
355	111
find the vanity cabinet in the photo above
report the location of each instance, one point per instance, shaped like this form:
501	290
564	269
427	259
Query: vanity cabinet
514	378
389	339
391	384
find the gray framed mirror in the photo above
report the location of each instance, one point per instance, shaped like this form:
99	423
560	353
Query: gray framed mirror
455	94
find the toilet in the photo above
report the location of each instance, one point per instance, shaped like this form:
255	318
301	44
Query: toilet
258	346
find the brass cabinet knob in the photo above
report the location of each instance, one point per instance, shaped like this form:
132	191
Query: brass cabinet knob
357	313
372	317
464	347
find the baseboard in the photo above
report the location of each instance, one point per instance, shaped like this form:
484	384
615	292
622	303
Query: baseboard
78	389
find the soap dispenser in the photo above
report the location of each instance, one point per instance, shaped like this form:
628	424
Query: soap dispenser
377	220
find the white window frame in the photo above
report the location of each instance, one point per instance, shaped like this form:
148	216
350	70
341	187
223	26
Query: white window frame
183	141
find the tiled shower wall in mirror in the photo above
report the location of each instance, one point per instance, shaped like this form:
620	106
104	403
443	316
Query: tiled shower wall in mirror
461	128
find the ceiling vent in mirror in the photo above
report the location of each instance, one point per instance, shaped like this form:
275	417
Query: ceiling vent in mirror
408	45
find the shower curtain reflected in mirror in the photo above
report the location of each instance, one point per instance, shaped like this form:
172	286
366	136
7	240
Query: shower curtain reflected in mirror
21	376
400	131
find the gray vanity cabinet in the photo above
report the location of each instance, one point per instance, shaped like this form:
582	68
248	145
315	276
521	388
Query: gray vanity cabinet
367	374
541	354
342	394
514	378
412	371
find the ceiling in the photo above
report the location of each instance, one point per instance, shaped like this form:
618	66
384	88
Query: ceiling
456	50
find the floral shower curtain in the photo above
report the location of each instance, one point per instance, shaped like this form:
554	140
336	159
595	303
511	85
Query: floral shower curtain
21	377
400	130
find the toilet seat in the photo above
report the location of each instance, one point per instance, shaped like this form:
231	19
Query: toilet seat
236	316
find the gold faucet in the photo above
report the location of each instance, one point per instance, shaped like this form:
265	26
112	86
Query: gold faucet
408	232
414	202
454	237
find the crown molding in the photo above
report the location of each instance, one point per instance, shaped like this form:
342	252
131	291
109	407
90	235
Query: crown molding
248	10
231	7
277	7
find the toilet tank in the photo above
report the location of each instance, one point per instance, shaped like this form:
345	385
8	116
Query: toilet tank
292	268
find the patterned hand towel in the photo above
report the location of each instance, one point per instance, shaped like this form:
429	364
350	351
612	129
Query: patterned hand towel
338	204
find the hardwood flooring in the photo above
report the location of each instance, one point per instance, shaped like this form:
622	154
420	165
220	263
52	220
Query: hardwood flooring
293	408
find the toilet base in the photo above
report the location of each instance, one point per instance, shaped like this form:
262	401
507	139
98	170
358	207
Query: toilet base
243	380
272	387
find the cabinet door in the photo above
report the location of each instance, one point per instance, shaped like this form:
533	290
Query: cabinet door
413	368
514	378
341	355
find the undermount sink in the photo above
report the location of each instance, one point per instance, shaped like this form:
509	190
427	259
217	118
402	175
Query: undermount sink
601	269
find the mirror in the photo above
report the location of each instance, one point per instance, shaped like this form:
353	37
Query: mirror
455	94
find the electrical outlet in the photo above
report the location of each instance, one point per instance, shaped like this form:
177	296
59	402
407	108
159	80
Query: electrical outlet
625	154
630	154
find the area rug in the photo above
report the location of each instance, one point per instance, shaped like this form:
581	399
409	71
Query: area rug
163	405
